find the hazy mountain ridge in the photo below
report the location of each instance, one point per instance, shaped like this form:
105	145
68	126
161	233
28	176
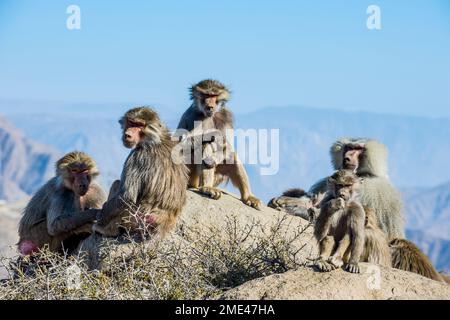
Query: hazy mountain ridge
24	164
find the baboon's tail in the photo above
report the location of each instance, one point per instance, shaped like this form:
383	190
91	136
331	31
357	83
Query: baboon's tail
294	193
408	257
446	278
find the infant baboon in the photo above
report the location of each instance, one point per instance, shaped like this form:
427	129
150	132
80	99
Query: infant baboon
346	231
152	189
59	211
208	114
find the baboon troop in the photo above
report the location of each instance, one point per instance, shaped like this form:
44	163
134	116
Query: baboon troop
61	213
347	232
356	212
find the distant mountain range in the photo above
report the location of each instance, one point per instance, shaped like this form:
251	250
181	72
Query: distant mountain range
24	165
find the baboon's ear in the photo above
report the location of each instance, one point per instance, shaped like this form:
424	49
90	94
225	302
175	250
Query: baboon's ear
330	180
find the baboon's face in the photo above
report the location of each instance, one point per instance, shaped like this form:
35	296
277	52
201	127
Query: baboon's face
352	157
209	104
133	132
80	180
343	184
343	191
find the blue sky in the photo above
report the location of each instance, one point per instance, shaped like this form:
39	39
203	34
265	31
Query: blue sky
271	53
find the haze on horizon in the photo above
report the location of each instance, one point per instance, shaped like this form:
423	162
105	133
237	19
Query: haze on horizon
289	53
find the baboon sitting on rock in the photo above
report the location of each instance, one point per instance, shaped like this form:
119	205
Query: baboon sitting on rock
152	187
208	115
60	214
347	232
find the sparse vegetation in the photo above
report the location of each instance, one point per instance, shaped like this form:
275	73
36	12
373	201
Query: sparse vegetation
193	263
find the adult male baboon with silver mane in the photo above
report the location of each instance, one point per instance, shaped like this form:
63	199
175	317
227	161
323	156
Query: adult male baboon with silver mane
368	159
59	211
208	116
152	187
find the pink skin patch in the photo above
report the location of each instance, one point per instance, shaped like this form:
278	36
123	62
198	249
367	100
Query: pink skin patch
27	247
150	220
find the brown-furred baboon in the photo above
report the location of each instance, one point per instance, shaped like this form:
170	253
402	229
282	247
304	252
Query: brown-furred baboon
346	231
152	189
407	256
60	210
207	115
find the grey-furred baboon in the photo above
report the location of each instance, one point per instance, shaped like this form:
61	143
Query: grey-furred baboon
151	192
61	209
347	232
208	115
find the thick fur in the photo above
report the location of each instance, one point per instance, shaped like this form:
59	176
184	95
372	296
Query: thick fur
55	212
152	184
347	232
203	176
374	163
295	193
407	256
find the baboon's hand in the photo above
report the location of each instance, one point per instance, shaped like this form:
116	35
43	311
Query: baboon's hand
324	266
252	202
337	204
336	261
353	268
211	192
209	162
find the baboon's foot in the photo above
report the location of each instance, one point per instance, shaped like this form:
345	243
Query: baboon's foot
253	202
282	202
324	266
353	268
211	192
336	262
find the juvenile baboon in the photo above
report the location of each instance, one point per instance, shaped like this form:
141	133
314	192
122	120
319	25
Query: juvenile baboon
208	114
152	187
59	211
368	159
346	231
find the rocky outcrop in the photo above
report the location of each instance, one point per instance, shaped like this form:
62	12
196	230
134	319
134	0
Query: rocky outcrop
373	283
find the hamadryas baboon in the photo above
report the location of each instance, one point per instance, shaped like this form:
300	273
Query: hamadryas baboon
152	189
60	210
208	115
347	232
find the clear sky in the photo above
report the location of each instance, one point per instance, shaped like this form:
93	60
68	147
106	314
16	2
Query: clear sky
271	53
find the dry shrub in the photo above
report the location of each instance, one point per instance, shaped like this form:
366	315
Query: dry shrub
192	263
